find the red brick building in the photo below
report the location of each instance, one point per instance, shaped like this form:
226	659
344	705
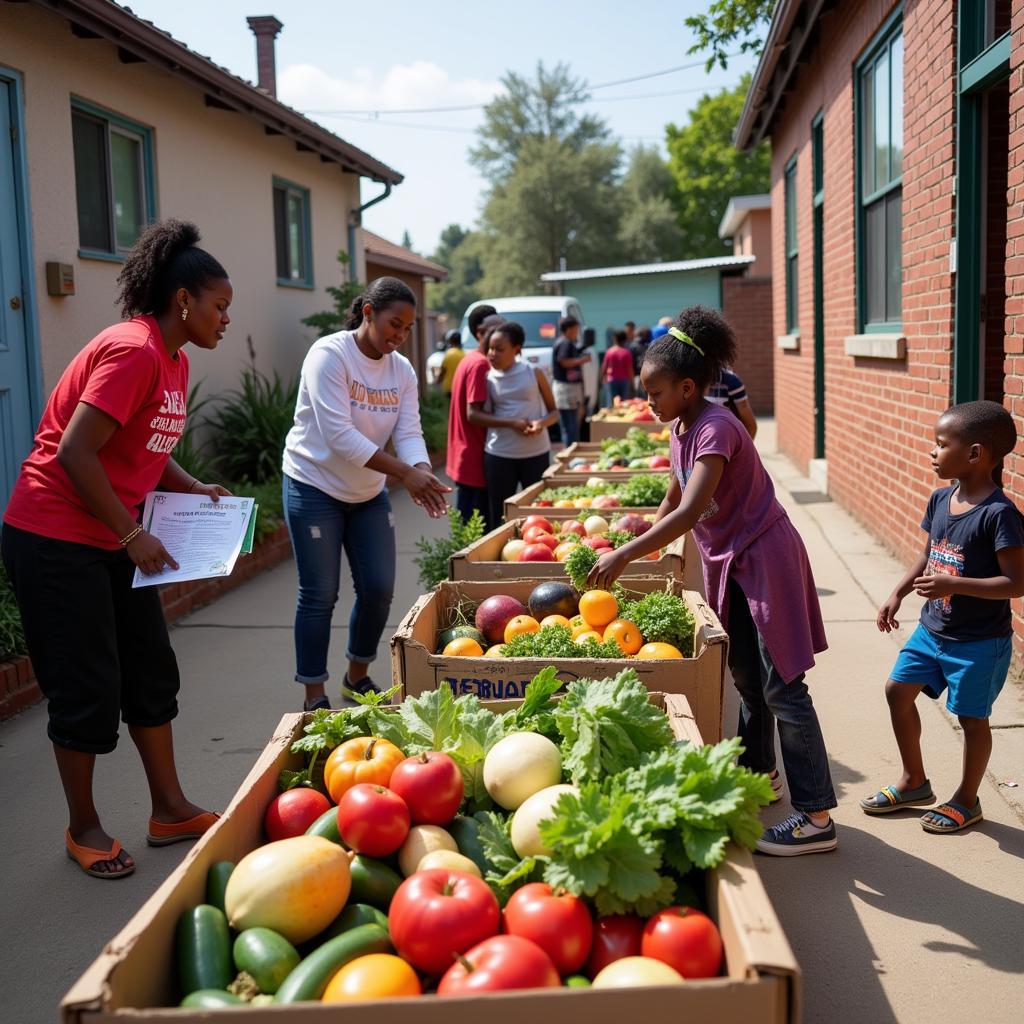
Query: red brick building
897	133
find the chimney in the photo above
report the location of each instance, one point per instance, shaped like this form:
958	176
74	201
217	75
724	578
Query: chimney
265	27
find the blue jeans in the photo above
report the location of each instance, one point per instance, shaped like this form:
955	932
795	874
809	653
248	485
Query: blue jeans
320	528
570	426
766	700
617	389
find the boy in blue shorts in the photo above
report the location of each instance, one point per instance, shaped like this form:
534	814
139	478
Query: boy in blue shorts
972	565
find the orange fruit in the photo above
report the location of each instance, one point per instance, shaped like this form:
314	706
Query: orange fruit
598	608
519	625
581	628
463	647
625	634
657	652
563	551
564	503
555	620
497	651
374	976
576	620
587	634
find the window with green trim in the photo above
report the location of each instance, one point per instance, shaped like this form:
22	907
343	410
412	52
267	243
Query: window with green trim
792	251
292	234
880	181
113	171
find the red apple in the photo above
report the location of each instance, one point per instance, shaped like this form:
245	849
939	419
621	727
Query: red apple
573	526
532	534
597	543
537	521
292	812
537	553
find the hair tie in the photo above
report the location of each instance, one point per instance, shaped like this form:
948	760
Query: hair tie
685	339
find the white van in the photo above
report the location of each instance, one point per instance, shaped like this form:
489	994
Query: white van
538	315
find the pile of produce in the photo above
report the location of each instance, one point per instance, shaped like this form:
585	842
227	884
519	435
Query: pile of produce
629	410
561	621
647	490
441	847
542	540
639	449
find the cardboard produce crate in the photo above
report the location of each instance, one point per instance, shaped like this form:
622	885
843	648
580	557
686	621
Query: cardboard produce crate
601	427
131	982
482	560
524	503
418	668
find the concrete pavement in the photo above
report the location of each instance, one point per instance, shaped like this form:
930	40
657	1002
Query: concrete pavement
897	925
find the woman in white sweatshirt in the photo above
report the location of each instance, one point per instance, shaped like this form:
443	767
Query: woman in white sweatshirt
356	393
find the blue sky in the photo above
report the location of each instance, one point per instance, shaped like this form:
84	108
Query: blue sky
334	56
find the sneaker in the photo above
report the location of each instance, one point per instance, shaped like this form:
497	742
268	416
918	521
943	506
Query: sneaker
776	781
364	687
320	704
795	836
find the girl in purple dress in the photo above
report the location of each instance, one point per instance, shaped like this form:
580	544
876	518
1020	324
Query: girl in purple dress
756	572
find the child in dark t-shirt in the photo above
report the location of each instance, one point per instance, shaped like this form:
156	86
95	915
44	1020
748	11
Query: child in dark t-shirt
972	565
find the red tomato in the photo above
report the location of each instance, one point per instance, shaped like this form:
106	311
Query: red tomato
537	521
615	937
373	820
436	914
537	553
497	965
560	925
573	526
546	503
685	939
597	543
533	534
431	785
291	813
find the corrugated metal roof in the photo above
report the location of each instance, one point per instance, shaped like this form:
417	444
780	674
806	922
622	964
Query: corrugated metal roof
638	269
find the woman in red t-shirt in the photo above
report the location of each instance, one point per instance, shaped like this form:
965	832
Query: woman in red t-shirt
71	537
617	368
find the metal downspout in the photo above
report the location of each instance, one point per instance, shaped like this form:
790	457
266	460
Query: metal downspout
355	220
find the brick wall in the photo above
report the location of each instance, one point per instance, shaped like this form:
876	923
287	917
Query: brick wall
879	413
747	305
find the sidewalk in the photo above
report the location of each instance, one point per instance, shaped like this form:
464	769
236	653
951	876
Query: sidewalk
897	925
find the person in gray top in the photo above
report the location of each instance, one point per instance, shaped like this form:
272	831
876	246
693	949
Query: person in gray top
519	409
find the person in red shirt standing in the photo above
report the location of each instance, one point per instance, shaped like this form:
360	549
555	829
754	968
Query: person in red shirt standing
617	368
71	538
465	464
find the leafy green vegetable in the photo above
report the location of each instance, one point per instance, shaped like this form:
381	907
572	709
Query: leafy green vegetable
536	713
607	725
578	564
557	642
506	870
432	560
644	489
662	617
636	444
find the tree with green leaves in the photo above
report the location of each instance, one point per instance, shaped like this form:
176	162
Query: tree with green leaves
407	240
460	252
344	294
649	230
728	27
709	170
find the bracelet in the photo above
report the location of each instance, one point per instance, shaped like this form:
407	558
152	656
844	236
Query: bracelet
195	480
128	538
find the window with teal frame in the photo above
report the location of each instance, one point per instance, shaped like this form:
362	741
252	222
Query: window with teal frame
114	180
792	251
292	236
879	170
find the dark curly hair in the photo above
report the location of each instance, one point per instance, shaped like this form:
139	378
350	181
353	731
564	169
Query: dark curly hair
380	293
706	328
166	257
988	424
513	331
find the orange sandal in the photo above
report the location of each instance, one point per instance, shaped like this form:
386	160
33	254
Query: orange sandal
88	858
162	833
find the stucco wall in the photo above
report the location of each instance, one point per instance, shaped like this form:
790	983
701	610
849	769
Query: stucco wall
212	166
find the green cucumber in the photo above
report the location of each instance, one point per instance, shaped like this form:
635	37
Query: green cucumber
217	881
210	999
353	916
265	954
327	826
204	949
466	833
373	882
309	980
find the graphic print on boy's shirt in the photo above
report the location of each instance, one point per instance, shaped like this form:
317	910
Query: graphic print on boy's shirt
712	508
944	559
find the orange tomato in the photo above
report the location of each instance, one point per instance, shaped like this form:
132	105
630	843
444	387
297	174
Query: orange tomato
375	976
587	634
463	647
598	608
581	628
658	651
497	651
576	620
564	503
555	620
563	551
519	625
367	759
625	634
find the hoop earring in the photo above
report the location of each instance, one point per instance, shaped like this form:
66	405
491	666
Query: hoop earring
184	313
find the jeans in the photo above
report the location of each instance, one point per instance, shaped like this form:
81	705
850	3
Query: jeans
617	389
569	420
766	700
321	527
469	499
507	476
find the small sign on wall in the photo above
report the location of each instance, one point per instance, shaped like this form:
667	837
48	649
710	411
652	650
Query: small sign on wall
60	279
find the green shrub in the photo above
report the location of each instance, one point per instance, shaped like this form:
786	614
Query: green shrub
12	636
434	420
268	496
432	560
192	455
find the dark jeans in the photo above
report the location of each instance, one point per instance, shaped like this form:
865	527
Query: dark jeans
507	476
766	700
569	420
320	528
617	389
469	499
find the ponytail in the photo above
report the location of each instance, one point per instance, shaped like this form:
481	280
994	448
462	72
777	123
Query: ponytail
699	346
379	294
166	257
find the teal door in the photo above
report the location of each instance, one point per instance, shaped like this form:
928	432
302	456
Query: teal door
15	387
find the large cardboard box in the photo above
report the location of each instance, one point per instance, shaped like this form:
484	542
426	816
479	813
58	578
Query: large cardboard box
700	679
131	982
482	560
524	503
601	427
